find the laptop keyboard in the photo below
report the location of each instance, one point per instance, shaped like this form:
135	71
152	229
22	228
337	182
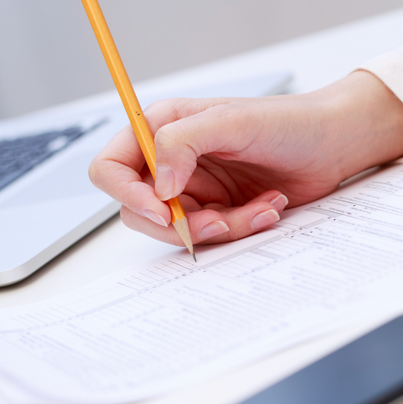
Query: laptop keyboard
18	156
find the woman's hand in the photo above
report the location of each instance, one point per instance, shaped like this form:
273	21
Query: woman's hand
237	162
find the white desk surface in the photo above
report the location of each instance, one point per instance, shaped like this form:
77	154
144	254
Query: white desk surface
315	60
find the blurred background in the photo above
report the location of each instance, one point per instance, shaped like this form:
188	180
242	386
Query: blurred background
49	55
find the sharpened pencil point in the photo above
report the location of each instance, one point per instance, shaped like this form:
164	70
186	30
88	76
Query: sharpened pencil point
182	228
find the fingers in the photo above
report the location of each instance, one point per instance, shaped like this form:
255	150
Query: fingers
243	221
204	126
227	128
116	171
211	226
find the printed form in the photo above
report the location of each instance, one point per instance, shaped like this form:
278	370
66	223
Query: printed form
146	330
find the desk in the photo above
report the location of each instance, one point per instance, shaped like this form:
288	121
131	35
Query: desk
316	60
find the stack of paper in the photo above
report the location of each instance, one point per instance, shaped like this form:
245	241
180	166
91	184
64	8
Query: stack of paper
146	330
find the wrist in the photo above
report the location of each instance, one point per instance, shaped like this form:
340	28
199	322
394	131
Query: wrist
364	122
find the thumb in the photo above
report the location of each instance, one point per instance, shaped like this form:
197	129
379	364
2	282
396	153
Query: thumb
224	129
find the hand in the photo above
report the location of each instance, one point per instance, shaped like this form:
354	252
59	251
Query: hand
237	162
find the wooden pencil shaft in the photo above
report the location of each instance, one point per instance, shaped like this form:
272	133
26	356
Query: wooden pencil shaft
122	82
127	94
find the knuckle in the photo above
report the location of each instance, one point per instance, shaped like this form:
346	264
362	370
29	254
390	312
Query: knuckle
166	139
161	108
155	109
130	199
124	215
95	170
161	104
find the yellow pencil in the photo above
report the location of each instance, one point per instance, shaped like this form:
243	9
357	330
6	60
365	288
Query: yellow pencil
133	109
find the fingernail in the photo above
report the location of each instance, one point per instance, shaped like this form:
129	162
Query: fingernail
280	202
213	229
155	217
165	178
265	219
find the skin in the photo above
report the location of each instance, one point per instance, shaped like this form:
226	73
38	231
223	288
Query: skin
237	162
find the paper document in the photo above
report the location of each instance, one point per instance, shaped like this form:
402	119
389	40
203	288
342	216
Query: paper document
145	330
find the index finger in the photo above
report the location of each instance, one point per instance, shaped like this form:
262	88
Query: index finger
116	171
162	112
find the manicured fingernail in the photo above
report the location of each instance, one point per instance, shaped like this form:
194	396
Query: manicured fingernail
280	202
155	217
265	219
165	178
213	229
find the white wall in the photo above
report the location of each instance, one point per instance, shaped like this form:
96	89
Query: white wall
48	53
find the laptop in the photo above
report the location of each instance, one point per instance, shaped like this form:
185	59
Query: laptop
47	201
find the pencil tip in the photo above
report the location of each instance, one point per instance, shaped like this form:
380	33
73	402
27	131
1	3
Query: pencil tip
181	226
